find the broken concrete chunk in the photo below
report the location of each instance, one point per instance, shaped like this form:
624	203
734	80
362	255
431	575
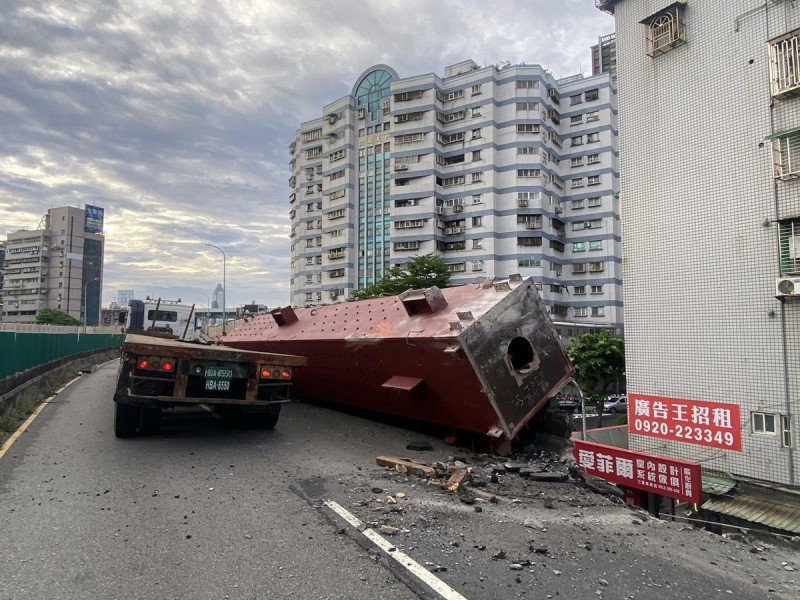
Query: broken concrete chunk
388	530
554	477
419	446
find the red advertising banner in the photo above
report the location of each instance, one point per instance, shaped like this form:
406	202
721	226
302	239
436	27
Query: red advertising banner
712	424
666	476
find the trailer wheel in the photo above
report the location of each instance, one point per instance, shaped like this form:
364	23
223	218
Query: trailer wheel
126	419
151	421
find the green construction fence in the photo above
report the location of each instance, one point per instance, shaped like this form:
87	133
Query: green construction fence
22	351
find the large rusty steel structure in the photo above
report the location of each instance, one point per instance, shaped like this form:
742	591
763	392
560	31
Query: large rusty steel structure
481	358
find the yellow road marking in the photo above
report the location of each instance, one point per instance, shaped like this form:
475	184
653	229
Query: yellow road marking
16	435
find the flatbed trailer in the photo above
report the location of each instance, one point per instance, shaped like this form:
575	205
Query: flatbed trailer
158	372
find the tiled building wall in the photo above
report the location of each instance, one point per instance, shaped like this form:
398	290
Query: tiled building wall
699	264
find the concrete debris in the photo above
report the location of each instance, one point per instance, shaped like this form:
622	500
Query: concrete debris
419	446
388	530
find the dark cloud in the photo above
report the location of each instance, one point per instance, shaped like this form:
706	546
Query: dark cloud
177	117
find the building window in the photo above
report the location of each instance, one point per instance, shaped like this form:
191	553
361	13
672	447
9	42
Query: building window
577	183
576	120
579	290
529	241
597	289
592	116
529	172
786	431
476	134
457	267
576	204
786	155
477	198
593	137
476	89
577	140
577	99
594	202
596	245
527	84
595	267
789	239
763	423
527	150
784	64
576	162
579	246
477	221
527	106
477	177
665	30
592	95
555	288
579	311
528	128
528	263
476	112
597	311
309	296
477	265
593	180
476	155
579	267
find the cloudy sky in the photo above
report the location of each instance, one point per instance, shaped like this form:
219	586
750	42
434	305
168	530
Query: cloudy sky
176	117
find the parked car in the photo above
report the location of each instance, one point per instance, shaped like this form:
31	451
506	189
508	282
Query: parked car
568	403
616	403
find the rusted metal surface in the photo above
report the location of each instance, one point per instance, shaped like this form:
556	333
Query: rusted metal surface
156	345
482	358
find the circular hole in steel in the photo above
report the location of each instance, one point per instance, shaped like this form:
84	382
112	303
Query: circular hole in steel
520	353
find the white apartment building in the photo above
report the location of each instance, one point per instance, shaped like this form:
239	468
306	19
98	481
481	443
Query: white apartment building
499	170
59	266
710	186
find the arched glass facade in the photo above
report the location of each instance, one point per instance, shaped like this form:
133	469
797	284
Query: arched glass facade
372	89
374	178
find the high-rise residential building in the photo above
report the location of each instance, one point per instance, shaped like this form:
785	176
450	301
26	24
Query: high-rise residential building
218	299
500	170
604	55
710	186
59	266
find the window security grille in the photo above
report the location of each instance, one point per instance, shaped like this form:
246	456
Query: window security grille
786	155
789	237
784	65
666	30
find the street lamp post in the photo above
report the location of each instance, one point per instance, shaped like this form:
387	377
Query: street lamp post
224	285
86	302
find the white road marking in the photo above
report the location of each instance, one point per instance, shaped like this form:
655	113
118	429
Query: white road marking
413	567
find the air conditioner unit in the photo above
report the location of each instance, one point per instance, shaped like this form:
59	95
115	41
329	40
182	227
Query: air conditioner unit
587	225
787	287
458	208
440	210
332	119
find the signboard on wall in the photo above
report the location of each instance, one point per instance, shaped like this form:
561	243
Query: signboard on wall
657	474
94	219
712	424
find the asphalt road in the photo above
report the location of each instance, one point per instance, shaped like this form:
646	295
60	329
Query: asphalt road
207	511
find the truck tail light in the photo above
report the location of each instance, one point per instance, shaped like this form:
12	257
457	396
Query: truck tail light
286	375
144	364
168	366
266	373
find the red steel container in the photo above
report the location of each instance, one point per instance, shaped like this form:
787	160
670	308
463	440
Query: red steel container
482	358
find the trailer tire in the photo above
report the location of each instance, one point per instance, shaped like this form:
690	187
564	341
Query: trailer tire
126	419
151	421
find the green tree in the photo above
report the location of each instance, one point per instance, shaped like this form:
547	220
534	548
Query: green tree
51	316
421	272
599	361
